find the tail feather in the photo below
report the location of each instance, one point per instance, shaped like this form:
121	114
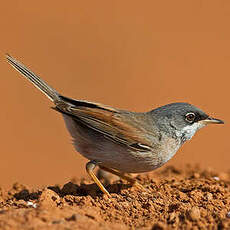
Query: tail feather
51	93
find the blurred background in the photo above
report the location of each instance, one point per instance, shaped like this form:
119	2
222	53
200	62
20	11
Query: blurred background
134	55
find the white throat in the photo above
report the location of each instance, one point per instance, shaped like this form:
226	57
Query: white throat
188	131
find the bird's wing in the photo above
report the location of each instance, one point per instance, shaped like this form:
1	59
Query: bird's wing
108	121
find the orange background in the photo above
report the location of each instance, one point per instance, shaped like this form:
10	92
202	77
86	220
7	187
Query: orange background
135	55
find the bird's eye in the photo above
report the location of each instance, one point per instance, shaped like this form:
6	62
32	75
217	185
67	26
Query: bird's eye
190	117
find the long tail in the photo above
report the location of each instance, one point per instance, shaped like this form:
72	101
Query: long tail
51	93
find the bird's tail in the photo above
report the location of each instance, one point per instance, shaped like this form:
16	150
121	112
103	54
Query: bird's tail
51	93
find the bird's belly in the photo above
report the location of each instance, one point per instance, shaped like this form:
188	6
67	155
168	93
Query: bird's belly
94	146
123	159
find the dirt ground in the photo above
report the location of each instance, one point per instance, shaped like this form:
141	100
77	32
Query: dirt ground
172	198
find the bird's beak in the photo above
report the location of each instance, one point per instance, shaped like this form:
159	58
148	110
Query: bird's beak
211	120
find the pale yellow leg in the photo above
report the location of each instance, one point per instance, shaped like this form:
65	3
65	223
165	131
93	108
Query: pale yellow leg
117	173
89	168
128	178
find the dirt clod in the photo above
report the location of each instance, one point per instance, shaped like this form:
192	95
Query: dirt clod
194	213
48	199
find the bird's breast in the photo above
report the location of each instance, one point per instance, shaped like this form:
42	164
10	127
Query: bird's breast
169	146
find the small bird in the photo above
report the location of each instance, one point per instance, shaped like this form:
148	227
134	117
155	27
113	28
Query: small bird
119	141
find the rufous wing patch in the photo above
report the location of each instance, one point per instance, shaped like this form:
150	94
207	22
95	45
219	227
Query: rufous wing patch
110	122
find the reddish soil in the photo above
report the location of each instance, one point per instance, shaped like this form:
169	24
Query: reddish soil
172	198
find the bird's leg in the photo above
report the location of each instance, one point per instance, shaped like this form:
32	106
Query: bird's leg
124	176
117	173
90	166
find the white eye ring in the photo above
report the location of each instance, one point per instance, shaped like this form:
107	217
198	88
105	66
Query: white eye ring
190	117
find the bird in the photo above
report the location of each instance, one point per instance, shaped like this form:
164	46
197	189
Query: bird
118	141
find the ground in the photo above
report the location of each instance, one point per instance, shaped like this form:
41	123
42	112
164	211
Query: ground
172	198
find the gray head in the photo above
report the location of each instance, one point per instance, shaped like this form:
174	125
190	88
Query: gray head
181	120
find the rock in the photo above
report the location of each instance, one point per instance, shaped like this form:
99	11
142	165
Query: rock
48	199
194	213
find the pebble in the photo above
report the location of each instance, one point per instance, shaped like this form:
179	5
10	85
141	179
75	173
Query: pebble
209	196
194	213
48	199
31	204
228	215
216	178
